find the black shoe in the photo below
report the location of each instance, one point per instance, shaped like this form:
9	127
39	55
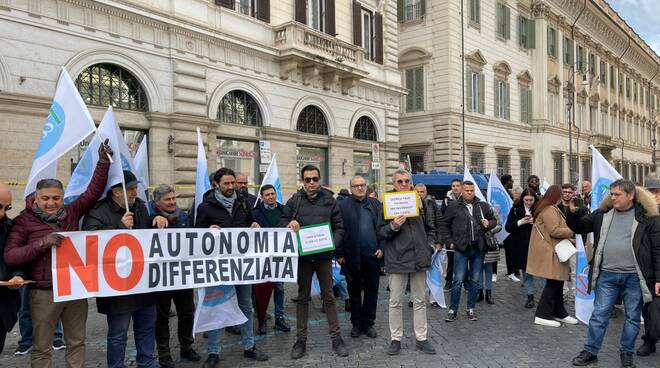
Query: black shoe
298	349
530	302
425	347
480	298
448	286
190	355
263	329
339	346
347	305
165	362
22	350
584	358
280	324
646	349
627	360
489	297
371	332
410	304
356	331
395	348
212	361
58	345
451	316
435	305
255	354
234	330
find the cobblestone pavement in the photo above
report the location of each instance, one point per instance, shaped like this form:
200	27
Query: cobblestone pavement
504	336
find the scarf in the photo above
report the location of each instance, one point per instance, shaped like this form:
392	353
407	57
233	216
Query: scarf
226	202
170	216
46	217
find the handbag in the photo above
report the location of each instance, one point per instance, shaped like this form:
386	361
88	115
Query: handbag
564	249
491	241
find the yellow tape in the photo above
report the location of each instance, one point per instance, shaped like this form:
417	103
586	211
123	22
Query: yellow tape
192	187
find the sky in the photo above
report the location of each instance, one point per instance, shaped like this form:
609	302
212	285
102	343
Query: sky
642	16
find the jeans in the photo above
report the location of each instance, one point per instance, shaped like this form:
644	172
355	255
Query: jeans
473	259
342	287
143	330
528	282
608	287
278	299
486	279
244	296
363	290
25	321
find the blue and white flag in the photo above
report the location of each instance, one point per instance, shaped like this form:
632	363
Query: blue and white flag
501	203
82	175
141	161
584	300
272	177
468	176
603	174
435	279
202	184
544	186
68	123
217	307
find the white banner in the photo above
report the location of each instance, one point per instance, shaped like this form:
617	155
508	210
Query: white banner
120	262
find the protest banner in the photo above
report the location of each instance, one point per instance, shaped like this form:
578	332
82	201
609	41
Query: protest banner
120	262
400	203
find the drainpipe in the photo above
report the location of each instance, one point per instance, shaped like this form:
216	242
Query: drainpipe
572	113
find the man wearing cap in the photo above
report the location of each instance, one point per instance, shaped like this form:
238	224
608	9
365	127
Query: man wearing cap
110	213
648	348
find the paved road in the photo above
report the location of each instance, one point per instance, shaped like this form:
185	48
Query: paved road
504	336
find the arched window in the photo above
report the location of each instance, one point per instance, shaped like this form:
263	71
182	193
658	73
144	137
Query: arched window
238	107
110	84
365	129
311	120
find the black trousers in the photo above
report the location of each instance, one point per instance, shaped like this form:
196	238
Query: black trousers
3	335
647	325
450	268
185	311
363	292
551	304
508	255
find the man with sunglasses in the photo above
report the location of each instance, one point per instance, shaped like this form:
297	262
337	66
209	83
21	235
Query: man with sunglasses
408	247
313	205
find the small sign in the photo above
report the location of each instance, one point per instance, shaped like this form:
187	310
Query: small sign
315	239
265	152
263	167
375	165
400	203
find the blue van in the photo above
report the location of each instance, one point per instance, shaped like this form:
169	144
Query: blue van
438	183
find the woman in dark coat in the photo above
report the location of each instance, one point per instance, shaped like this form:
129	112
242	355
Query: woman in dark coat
519	226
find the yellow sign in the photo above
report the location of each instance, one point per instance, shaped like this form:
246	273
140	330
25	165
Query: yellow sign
400	204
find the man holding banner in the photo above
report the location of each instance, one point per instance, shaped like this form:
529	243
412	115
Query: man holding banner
626	231
33	234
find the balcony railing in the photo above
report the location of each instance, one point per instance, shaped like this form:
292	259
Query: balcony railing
293	36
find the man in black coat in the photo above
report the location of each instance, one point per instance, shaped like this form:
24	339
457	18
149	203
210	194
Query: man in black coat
314	205
222	207
359	255
243	190
110	213
650	320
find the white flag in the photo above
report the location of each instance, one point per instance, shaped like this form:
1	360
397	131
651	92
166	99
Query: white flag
584	300
602	174
272	177
217	307
500	201
544	186
434	279
142	166
468	176
67	124
202	184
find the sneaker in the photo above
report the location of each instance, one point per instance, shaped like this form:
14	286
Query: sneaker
451	316
494	278
394	348
22	350
280	324
255	354
371	332
190	355
646	349
472	316
58	345
356	331
568	320
425	347
513	277
546	322
530	302
339	346
627	360
584	358
165	362
212	361
298	349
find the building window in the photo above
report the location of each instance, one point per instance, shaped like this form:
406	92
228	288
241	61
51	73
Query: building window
603	73
475	92
604	123
240	156
612	77
580	115
477	162
412	9
417	162
627	88
316	156
586	168
552	42
525	168
635	92
558	168
311	120
503	21
362	166
475	11
415	86
315	14
110	84
365	129
553	108
568	51
502	99
238	107
592	64
368	34
247	7
581	63
503	165
526	32
593	118
525	104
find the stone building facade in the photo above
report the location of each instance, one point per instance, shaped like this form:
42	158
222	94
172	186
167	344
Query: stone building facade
316	79
522	62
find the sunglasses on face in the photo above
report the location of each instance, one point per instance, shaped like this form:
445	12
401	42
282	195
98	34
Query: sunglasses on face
314	179
401	181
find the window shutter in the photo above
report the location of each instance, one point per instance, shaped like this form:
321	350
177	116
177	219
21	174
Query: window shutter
530	109
400	9
330	17
477	8
422	7
357	23
507	23
520	31
263	10
496	93
468	89
523	104
225	3
301	11
419	89
378	24
531	34
409	87
507	95
482	90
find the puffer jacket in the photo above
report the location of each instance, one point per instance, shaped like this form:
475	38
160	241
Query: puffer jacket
457	227
211	212
645	240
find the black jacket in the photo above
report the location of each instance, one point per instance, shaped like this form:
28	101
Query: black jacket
323	208
10	299
350	214
211	212
456	226
517	243
645	241
106	215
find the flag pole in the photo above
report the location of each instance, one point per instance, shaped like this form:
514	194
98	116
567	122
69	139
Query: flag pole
262	182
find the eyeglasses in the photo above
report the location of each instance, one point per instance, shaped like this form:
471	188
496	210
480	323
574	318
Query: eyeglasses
401	181
359	186
567	192
314	179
